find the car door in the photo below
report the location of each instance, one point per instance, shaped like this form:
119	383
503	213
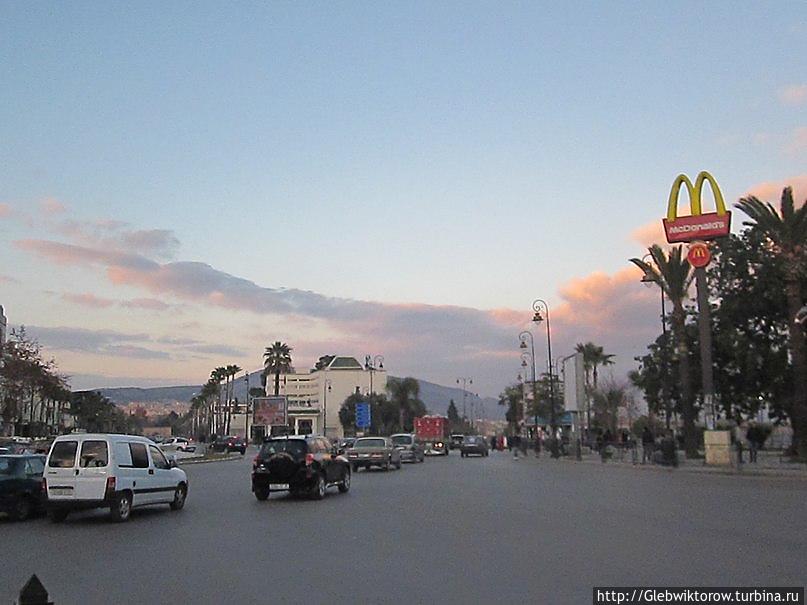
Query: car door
332	471
163	479
34	469
133	460
92	470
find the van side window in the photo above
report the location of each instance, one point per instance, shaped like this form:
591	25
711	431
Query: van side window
94	454
158	458
63	454
34	466
123	456
140	459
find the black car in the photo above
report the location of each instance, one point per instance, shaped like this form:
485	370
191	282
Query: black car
21	493
302	465
229	444
474	444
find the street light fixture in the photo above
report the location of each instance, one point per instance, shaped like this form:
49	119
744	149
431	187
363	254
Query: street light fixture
524	337
541	308
326	389
373	364
465	382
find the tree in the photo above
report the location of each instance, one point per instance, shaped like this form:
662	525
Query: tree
606	404
323	362
404	393
277	361
384	415
593	357
513	398
786	235
453	415
673	273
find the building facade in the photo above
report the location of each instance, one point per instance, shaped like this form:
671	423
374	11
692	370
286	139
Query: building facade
3	328
315	397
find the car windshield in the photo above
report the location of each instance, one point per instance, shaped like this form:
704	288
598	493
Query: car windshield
7	466
370	443
471	440
295	447
402	440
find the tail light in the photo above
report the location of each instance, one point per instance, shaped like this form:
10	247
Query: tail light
309	459
110	485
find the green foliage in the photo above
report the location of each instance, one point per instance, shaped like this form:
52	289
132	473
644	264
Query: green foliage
453	415
606	403
404	393
642	421
384	414
276	361
97	414
513	398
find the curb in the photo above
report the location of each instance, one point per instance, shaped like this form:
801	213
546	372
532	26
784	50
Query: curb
797	474
208	461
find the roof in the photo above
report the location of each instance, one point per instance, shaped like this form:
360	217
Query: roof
344	363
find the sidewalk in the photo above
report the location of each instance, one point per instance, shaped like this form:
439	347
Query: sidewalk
769	464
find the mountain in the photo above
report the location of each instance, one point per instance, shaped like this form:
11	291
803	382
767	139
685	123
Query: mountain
435	396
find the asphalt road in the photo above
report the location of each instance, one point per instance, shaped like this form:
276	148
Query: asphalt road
450	530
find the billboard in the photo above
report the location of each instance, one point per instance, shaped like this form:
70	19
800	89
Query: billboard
270	411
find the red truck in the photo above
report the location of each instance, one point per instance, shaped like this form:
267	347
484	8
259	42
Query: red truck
433	432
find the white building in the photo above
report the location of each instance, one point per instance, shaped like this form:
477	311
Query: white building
316	397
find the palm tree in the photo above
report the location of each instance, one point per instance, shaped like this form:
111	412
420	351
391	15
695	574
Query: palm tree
277	360
232	371
404	393
786	232
216	376
673	274
593	357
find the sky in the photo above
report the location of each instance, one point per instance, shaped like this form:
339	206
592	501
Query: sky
182	184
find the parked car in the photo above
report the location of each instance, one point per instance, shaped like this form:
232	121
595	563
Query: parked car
455	442
21	492
474	444
8	446
118	472
374	451
227	443
178	444
410	448
298	464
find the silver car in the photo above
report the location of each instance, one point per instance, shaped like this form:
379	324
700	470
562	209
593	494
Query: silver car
373	451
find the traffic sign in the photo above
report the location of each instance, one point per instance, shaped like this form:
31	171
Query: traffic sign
363	416
699	255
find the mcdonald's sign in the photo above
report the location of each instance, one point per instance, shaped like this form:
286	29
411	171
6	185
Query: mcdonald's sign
699	255
697	226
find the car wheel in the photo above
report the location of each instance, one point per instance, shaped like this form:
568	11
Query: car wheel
23	509
180	494
318	493
344	487
121	507
58	516
261	494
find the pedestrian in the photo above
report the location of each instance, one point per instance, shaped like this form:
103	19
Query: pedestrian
648	442
753	436
515	442
522	445
738	442
538	443
493	443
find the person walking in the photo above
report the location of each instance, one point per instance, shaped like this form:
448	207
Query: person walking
493	443
537	443
648	442
515	441
753	436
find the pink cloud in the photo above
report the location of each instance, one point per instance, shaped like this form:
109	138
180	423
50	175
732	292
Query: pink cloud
52	206
88	300
771	191
5	210
649	234
795	94
798	140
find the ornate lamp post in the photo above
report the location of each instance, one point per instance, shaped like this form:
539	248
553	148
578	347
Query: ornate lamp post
325	390
465	382
649	280
246	412
524	337
541	308
372	364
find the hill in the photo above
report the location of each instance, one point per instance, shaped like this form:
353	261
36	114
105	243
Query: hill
435	396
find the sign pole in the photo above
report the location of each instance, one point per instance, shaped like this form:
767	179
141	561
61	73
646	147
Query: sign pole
705	336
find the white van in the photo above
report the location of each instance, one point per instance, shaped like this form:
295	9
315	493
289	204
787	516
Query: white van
118	472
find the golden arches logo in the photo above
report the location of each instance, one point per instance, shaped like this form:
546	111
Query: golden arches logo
697	226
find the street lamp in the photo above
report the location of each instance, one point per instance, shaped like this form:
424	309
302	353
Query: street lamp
246	412
523	337
541	308
649	279
465	382
326	389
373	364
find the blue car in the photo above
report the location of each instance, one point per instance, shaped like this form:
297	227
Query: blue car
21	493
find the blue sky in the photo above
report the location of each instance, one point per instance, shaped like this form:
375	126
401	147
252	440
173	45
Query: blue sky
475	155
